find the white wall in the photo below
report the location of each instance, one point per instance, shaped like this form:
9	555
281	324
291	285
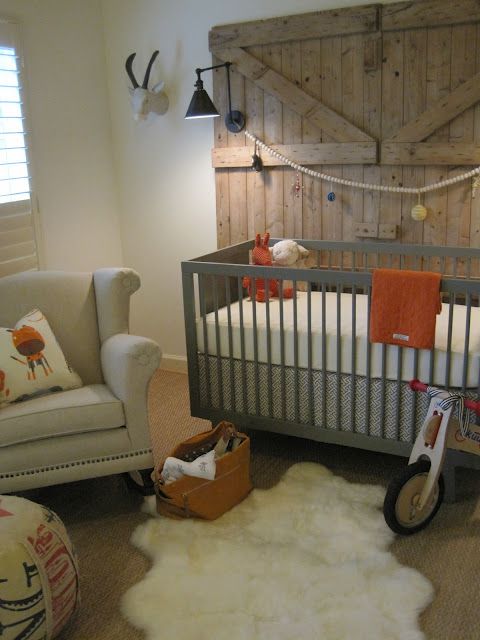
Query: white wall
71	133
164	174
111	190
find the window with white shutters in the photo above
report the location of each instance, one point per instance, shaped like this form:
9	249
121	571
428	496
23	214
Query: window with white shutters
18	247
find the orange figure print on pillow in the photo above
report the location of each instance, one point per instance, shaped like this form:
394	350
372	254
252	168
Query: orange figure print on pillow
30	343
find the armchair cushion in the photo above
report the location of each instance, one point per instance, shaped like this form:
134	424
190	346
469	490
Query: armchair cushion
31	361
85	410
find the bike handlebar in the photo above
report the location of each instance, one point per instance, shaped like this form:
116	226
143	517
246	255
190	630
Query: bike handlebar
416	385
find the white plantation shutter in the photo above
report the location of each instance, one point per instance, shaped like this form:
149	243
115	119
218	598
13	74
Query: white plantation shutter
18	248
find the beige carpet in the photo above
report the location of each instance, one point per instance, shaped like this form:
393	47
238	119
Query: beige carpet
101	515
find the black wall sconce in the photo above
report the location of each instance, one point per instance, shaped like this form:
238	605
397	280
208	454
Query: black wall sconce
202	107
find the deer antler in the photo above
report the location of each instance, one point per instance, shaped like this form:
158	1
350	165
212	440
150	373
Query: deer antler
149	68
128	67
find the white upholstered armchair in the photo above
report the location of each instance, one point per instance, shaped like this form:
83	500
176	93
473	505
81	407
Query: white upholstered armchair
100	428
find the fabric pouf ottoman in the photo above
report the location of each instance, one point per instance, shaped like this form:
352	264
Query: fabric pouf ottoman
38	571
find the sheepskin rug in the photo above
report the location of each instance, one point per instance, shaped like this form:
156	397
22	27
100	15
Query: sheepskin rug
307	559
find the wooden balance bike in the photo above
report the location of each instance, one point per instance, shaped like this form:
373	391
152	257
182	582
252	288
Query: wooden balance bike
414	497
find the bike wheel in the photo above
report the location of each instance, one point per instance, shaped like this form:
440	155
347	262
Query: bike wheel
403	494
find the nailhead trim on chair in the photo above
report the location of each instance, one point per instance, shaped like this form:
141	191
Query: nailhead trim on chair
76	463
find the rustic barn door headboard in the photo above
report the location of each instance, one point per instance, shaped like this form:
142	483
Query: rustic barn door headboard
380	94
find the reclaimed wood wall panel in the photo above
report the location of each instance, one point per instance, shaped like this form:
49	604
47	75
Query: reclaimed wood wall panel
396	105
311	82
255	181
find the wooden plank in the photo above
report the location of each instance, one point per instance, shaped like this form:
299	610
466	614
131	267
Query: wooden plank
237	177
431	13
372	114
439	47
365	229
436	153
415	74
475	202
458	211
273	126
294	97
304	154
392	118
353	63
332	222
312	187
463	65
372	52
318	24
222	195
292	133
255	180
387	231
440	113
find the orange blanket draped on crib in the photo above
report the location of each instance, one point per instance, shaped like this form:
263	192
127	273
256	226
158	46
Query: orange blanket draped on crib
404	307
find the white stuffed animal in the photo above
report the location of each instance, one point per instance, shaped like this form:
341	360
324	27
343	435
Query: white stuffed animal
288	253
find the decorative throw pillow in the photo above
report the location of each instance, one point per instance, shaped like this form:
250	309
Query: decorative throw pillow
31	361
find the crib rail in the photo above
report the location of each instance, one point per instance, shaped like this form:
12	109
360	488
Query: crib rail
247	361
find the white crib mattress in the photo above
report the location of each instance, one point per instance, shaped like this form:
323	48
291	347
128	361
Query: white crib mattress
362	345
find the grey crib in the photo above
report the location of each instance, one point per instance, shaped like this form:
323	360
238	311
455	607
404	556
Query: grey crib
305	366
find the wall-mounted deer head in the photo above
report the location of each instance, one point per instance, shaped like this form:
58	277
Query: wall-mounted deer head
145	100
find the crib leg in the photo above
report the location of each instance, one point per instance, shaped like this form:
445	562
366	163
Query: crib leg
448	473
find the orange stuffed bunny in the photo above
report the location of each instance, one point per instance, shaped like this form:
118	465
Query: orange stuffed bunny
261	256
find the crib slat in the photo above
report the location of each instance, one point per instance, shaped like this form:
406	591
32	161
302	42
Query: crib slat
448	357
467	341
201	294
339	357
255	346
230	343
269	348
398	390
295	352
413	416
368	366
353	360
217	343
383	389
324	356
242	344
282	356
311	406
189	281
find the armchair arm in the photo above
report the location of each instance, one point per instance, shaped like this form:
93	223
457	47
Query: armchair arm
113	288
128	363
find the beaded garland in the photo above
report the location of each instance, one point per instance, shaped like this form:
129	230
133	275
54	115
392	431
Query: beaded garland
362	185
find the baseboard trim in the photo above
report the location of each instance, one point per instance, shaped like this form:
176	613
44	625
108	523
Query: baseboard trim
174	363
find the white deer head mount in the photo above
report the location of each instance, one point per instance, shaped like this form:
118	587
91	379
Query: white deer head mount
144	100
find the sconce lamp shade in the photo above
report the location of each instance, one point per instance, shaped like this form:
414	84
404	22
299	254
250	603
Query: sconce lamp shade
201	106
